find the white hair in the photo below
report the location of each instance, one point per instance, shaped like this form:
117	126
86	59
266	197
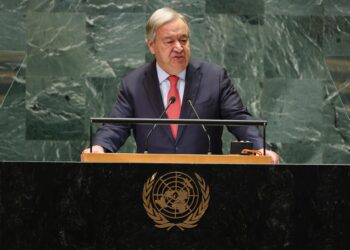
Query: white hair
160	17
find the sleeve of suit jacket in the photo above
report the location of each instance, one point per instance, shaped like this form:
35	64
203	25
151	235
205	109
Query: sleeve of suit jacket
111	136
231	107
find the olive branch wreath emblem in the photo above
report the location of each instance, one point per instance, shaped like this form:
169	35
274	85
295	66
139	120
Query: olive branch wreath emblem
161	221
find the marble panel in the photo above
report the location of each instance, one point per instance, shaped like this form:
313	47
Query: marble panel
86	6
336	42
293	47
12	30
13	6
12	116
343	89
227	137
302	152
293	109
198	38
336	154
10	63
336	38
337	7
22	149
294	7
41	5
99	67
55	108
235	42
336	119
14	144
240	7
100	95
56	44
250	91
54	5
339	68
190	8
117	39
93	7
12	49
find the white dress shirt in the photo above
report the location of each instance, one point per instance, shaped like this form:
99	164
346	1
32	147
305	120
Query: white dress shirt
164	84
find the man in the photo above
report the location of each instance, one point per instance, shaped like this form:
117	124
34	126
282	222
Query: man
147	91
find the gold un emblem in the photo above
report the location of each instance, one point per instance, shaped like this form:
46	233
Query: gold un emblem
175	200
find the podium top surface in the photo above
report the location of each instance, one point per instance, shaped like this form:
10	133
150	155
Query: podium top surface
175	158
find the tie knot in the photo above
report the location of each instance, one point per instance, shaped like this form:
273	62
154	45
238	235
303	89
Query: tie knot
173	80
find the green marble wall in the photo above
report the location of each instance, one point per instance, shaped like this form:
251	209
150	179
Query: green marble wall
61	62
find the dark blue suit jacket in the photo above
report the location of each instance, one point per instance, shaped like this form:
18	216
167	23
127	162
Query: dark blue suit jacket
213	96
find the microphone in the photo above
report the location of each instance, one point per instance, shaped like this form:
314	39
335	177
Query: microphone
204	129
171	101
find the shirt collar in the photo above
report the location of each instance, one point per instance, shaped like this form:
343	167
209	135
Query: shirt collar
162	75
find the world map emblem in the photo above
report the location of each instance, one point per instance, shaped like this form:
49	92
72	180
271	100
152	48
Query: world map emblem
175	199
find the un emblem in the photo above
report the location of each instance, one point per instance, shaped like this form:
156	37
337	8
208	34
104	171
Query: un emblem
175	200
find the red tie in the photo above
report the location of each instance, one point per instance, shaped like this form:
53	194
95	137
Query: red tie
174	109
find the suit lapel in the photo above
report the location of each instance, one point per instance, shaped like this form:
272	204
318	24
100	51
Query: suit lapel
151	85
192	85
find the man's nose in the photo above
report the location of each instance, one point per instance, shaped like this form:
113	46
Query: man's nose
178	46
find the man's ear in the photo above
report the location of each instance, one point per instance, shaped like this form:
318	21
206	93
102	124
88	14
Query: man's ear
150	45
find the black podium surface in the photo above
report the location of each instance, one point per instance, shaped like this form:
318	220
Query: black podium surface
47	205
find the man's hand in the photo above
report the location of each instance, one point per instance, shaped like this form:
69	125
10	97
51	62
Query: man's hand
275	157
95	149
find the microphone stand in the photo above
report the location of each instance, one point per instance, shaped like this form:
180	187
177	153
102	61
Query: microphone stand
171	101
204	129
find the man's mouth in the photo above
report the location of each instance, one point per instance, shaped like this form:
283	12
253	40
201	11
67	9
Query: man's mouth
178	57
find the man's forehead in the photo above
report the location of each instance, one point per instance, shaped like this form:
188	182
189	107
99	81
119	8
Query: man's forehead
176	33
174	25
170	36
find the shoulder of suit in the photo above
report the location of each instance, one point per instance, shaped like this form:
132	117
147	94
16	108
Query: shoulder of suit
141	70
204	65
139	73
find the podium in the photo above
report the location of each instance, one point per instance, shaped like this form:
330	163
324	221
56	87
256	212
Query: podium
176	158
106	205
